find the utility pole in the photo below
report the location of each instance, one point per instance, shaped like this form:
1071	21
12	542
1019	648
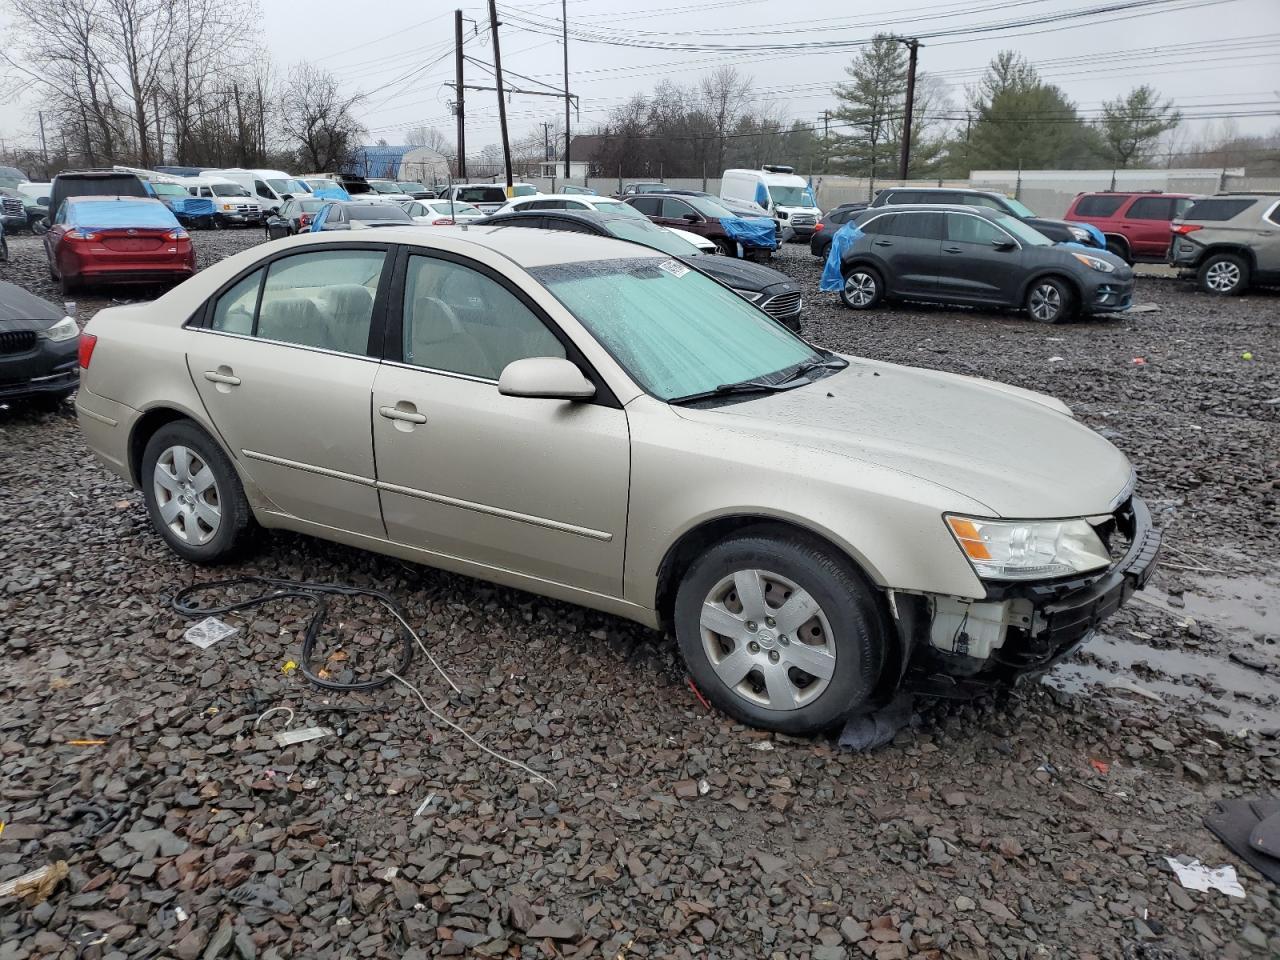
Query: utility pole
913	45
564	24
826	139
462	126
44	151
502	104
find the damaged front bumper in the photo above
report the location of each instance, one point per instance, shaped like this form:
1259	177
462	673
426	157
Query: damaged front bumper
959	646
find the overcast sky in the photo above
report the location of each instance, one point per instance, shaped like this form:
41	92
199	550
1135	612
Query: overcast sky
1213	57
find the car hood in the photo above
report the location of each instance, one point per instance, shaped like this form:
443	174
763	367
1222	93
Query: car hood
740	274
1017	452
18	304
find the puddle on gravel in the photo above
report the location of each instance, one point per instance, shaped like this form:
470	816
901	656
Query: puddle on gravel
1179	675
1235	603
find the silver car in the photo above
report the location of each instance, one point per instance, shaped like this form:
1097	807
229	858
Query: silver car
595	421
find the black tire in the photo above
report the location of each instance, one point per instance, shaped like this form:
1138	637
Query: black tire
726	248
1050	300
1119	248
863	288
857	633
236	526
4	250
1223	275
218	222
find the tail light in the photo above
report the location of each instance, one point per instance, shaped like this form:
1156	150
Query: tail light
304	219
178	234
819	226
442	222
1182	229
87	342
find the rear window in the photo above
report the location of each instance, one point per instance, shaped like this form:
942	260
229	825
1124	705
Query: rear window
1098	206
381	211
482	195
1217	209
119	213
1152	208
126	185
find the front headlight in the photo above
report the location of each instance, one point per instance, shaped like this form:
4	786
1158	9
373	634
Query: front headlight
1095	263
1028	549
64	329
751	295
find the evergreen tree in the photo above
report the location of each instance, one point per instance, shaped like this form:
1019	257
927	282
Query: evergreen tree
1132	125
869	112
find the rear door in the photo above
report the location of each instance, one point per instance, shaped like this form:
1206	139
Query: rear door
1146	226
910	241
538	487
980	263
283	363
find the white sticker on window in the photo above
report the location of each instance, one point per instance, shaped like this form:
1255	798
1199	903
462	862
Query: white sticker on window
673	267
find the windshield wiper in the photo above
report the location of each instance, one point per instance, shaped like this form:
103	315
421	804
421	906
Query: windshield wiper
726	389
807	367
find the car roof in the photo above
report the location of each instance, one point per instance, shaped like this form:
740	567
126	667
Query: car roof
526	247
579	197
985	212
108	198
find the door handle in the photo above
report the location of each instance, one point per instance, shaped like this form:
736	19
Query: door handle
217	376
952	250
884	243
409	415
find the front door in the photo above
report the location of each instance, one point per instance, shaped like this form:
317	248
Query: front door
284	372
979	261
538	487
909	242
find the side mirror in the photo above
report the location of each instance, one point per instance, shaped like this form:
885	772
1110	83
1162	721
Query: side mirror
546	378
1003	244
286	196
43	201
691	217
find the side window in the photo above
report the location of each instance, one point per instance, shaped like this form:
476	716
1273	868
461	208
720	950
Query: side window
458	320
573	205
1100	205
881	226
263	190
977	200
233	312
919	226
674	209
321	299
569	226
1182	204
647	205
1273	216
966	229
1152	208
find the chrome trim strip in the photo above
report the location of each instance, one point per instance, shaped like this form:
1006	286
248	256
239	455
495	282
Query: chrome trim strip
601	535
310	468
587	532
280	343
96	416
443	373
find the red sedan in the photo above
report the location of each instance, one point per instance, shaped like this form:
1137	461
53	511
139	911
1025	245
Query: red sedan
97	240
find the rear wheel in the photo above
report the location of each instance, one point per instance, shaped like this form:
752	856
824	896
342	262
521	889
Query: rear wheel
779	633
863	288
1224	274
193	494
1050	301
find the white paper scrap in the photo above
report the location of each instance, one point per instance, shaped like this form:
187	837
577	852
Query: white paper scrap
208	632
1196	876
287	738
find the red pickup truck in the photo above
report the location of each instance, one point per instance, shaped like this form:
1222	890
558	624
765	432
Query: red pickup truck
1136	225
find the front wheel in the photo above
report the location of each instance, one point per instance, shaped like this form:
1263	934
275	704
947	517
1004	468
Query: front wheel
863	289
1050	301
780	634
193	494
1224	274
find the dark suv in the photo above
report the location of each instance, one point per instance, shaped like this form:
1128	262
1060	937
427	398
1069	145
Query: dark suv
700	215
977	257
1229	241
1136	225
93	183
828	224
1059	231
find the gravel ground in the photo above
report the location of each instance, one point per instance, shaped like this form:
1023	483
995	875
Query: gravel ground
1031	825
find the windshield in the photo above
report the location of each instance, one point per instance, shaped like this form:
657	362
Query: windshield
524	190
168	190
675	331
378	211
456	209
1019	209
618	207
482	195
228	190
708	207
385	186
311	206
660	238
792	196
281	187
1029	235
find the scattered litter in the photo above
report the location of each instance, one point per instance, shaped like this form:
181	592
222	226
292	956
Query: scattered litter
37	885
1251	830
1124	683
288	667
180	914
287	738
1144	308
763	746
1101	766
424	804
262	716
1139	362
1246	355
85	743
389	874
703	788
1057	359
871	730
1196	876
208	632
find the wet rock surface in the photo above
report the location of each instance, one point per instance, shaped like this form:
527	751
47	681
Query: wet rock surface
1029	825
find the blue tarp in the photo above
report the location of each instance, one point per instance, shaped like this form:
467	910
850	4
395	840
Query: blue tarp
832	277
1094	232
190	206
317	222
132	212
331	192
751	231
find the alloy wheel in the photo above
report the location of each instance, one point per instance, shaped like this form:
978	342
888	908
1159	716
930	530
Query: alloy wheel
186	493
768	640
1222	276
1045	303
860	288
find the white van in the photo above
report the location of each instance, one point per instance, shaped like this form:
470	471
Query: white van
270	188
778	190
232	203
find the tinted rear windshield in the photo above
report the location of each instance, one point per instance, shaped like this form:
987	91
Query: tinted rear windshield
381	211
119	213
482	194
126	185
1218	208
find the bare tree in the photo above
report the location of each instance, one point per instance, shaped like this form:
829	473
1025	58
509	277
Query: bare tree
725	96
428	136
318	117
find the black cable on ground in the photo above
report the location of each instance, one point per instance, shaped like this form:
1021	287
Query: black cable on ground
316	594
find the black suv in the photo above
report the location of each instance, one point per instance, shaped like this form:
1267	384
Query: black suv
977	257
773	292
828	224
1059	231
